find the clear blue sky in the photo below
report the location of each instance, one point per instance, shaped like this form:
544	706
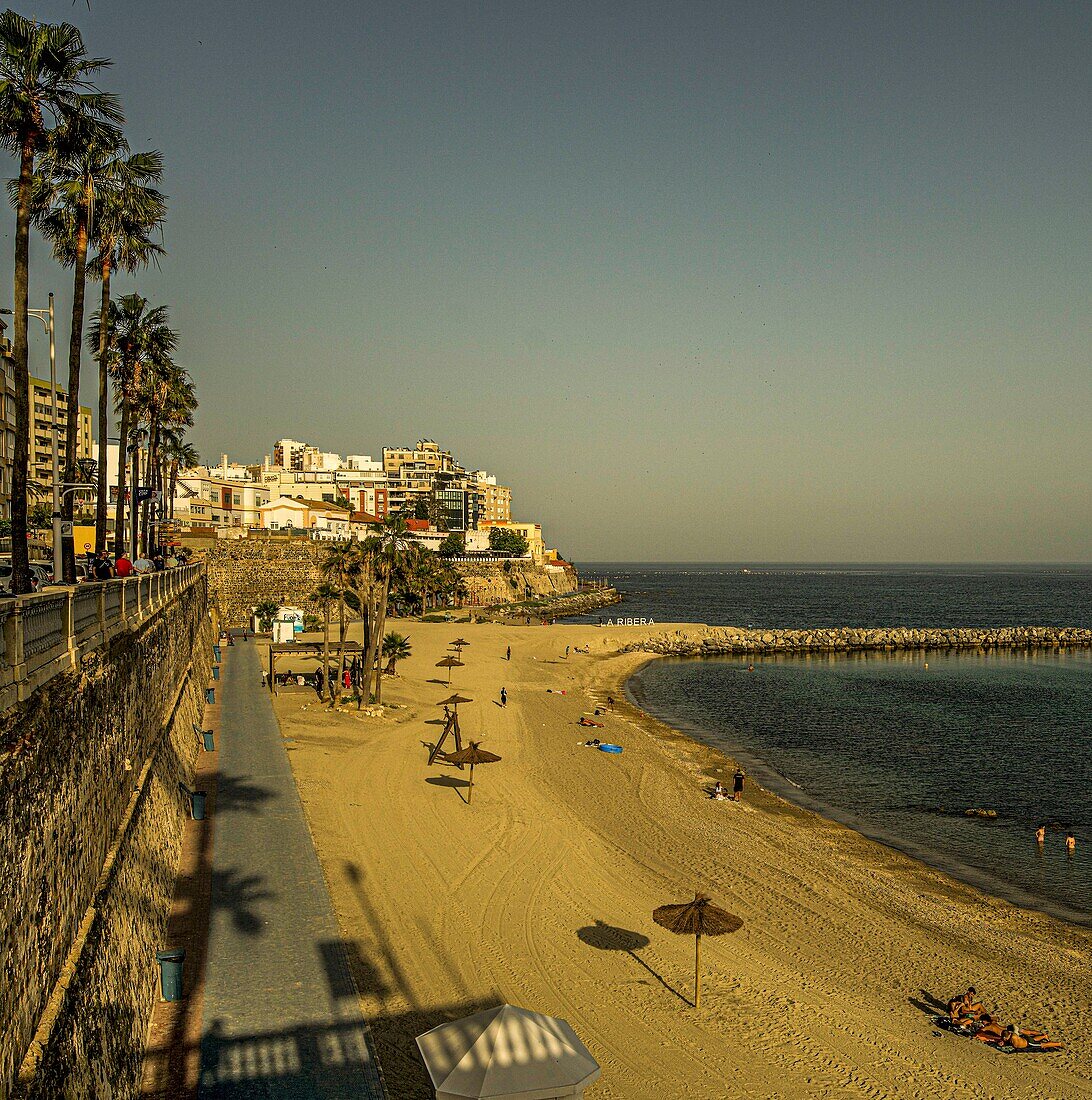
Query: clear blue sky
719	281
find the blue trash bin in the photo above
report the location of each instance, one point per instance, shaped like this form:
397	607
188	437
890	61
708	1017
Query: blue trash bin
210	695
198	805
216	672
170	972
209	738
216	653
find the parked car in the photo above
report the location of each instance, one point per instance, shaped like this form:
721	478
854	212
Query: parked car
40	576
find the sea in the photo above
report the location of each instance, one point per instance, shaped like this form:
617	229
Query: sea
897	745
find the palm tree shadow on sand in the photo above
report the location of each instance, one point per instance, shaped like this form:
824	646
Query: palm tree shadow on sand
607	937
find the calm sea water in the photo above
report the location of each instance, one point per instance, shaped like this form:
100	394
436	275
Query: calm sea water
878	741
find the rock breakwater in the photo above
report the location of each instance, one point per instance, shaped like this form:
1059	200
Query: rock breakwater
711	640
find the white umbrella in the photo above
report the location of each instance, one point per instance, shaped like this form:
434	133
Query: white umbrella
506	1053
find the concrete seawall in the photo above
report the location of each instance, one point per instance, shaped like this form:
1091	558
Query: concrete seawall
697	641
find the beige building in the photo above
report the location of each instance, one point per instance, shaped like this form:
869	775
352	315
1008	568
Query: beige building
329	521
40	471
532	532
494	501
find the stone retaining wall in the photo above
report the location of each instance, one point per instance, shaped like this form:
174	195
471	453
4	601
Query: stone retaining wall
711	640
244	571
91	821
575	603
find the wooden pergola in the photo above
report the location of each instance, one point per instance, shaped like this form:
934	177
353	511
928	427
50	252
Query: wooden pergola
308	650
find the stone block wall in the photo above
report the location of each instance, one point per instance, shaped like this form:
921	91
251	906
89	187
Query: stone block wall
242	572
94	770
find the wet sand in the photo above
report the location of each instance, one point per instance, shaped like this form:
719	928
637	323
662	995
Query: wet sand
541	893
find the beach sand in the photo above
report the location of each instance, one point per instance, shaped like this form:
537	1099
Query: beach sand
827	991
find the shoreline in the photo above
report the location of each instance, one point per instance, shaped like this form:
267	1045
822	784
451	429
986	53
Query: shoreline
847	948
765	775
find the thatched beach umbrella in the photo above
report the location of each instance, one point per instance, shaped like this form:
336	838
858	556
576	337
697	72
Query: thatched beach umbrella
449	663
458	643
454	701
473	754
696	918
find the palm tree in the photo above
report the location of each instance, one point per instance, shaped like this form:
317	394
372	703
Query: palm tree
128	214
139	340
82	159
167	401
339	569
265	612
396	647
325	596
386	551
44	76
178	455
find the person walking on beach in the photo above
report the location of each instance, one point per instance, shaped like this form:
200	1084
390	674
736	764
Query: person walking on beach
504	697
508	654
610	703
566	653
737	785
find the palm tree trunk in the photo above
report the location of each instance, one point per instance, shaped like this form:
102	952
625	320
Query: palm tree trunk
324	680
380	620
123	465
152	471
134	508
104	411
173	485
341	646
20	556
75	347
363	600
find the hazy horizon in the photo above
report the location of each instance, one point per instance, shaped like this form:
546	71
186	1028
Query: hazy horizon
760	281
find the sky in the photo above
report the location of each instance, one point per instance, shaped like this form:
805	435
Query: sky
700	281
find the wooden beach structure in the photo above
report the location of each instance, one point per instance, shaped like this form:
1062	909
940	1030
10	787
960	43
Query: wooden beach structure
308	651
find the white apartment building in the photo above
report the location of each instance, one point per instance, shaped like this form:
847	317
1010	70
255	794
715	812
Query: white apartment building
204	500
289	454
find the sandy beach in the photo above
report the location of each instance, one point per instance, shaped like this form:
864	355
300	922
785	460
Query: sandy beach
829	988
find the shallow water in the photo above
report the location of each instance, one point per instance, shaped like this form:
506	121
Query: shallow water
898	751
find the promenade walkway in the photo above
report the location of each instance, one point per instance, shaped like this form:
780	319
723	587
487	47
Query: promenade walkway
281	1018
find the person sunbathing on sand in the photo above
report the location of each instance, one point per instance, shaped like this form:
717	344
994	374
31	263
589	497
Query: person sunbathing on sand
588	722
989	1030
966	1006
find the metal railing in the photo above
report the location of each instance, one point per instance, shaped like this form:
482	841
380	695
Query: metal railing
43	634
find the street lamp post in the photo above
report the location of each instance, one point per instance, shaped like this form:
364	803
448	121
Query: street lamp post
46	317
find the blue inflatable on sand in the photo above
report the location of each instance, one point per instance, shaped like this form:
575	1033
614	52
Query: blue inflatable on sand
610	748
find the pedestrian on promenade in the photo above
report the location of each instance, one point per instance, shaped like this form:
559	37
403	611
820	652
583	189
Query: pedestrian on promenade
504	697
263	678
508	654
737	785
